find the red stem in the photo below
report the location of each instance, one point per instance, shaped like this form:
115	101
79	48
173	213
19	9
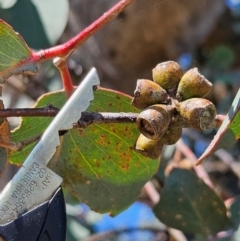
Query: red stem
67	48
61	64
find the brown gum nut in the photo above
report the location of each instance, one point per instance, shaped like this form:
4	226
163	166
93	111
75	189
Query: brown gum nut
199	112
172	135
167	75
148	148
193	84
153	122
148	93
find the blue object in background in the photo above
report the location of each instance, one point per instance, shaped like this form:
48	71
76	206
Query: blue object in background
137	216
199	147
185	61
234	5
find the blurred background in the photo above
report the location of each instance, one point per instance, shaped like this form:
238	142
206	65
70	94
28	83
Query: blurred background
203	34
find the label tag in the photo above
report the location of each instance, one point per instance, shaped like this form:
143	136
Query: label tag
35	185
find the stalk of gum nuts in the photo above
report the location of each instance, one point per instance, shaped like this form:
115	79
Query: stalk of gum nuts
170	102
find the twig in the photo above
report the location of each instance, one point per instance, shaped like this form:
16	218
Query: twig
218	121
47	111
222	235
228	159
67	48
177	234
152	193
109	234
61	64
18	146
200	171
228	202
88	117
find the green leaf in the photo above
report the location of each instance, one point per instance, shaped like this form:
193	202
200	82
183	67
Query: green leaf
34	20
98	164
229	131
189	205
15	56
235	212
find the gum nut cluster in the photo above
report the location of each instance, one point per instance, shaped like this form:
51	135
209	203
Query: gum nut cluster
170	102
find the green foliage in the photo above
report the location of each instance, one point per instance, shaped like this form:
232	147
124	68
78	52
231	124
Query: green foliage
43	30
234	212
13	51
188	204
33	126
98	164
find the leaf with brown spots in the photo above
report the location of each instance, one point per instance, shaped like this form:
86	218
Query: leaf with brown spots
98	164
189	205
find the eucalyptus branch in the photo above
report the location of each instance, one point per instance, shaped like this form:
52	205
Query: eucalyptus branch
64	50
47	111
61	64
87	118
200	171
60	53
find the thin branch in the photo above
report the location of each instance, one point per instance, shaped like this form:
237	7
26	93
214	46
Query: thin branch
229	160
222	235
200	171
152	193
18	146
47	111
87	117
67	48
161	234
218	121
177	234
61	64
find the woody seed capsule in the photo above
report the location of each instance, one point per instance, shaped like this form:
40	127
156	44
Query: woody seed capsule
148	93
149	148
193	84
198	112
168	75
153	122
172	135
